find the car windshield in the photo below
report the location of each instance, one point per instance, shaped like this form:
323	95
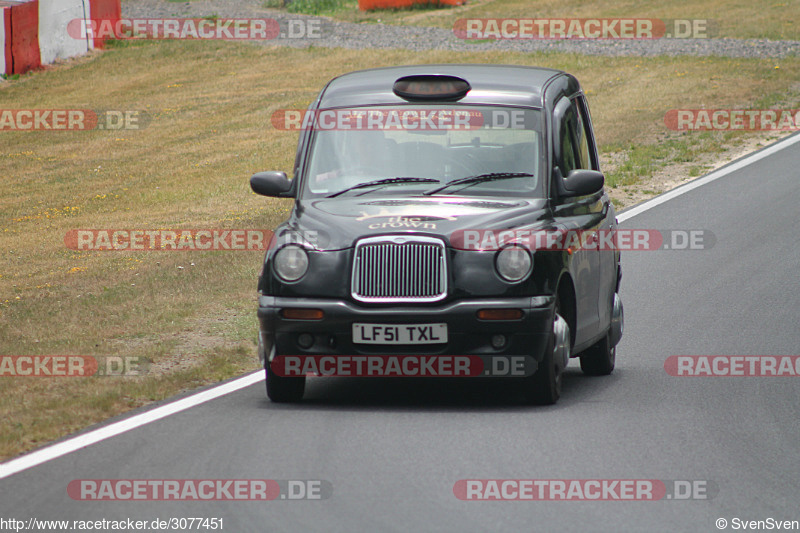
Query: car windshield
421	149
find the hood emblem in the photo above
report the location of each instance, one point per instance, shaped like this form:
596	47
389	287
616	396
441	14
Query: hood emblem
402	223
403	215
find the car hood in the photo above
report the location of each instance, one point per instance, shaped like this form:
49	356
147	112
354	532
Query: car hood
337	223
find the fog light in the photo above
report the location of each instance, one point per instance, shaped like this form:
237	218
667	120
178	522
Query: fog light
305	340
498	341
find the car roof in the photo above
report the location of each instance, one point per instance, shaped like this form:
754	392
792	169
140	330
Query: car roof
491	84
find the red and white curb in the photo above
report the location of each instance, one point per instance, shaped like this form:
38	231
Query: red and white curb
34	32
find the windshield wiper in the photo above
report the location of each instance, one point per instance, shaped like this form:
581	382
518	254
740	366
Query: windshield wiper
384	181
481	178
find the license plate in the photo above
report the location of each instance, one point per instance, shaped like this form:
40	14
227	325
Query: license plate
399	333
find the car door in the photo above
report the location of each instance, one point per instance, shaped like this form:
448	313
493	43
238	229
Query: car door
583	215
608	257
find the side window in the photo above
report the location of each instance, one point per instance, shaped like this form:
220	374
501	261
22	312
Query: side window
584	137
570	158
582	144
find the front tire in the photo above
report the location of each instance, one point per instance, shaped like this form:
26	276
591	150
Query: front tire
282	389
544	386
599	359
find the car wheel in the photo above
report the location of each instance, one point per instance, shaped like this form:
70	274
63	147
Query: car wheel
544	386
282	389
600	358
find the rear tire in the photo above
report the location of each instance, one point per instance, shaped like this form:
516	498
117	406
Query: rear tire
282	389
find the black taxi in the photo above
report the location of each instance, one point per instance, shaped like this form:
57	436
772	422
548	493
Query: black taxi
442	211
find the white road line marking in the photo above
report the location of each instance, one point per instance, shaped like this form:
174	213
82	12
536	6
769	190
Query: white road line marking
724	171
54	451
59	449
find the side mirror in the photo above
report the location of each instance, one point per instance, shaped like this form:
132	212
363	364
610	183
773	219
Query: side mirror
582	182
271	183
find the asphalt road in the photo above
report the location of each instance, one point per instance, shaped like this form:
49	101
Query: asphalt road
393	450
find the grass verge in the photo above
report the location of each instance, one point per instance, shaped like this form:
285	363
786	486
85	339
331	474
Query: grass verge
776	20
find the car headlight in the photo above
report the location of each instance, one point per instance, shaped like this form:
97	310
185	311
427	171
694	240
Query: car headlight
290	262
514	263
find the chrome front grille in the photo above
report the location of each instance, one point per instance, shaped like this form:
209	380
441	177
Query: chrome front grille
399	269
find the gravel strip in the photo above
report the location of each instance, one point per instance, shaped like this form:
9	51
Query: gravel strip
335	34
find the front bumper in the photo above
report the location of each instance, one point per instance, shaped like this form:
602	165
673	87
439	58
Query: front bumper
467	334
